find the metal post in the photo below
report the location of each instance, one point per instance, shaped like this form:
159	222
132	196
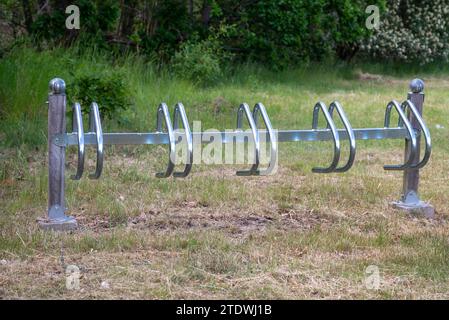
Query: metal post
410	201
56	220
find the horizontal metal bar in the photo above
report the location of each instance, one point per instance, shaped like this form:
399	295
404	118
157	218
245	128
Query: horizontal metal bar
326	134
230	136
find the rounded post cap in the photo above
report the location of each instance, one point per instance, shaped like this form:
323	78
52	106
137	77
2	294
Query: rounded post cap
417	86
57	86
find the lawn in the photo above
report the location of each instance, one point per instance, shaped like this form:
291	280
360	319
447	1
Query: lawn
295	234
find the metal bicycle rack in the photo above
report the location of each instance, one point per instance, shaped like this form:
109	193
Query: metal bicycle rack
409	127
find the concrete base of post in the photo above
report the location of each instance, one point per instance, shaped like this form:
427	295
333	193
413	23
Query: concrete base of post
68	224
413	205
421	209
58	221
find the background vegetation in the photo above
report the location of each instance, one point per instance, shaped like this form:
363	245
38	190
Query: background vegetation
274	32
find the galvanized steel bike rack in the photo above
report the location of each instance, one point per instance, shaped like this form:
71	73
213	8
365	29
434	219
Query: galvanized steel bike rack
409	127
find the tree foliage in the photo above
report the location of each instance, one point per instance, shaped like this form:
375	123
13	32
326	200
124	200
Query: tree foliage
277	33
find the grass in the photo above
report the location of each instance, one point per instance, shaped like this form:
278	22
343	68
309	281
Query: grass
215	235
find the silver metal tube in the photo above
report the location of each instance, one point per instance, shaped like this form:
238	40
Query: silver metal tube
428	149
259	109
350	132
156	138
95	127
411	134
336	158
77	128
180	112
244	109
163	114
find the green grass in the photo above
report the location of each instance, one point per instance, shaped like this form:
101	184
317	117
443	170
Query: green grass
214	235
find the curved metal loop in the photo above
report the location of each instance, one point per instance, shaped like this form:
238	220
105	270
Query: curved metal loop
95	127
352	143
180	112
259	109
331	125
77	127
163	114
428	150
244	109
411	133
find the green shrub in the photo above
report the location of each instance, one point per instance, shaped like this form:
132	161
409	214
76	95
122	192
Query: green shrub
108	89
198	62
286	32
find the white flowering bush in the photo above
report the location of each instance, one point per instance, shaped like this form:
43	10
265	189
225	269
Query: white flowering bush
412	30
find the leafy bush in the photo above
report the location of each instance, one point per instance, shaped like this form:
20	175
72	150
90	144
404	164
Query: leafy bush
412	30
281	33
108	89
198	62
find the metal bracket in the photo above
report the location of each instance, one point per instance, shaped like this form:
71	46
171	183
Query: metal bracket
60	140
